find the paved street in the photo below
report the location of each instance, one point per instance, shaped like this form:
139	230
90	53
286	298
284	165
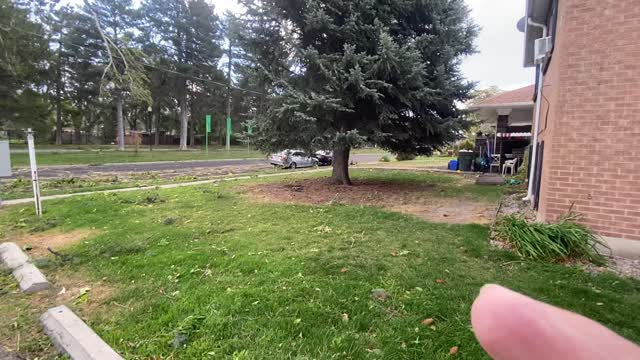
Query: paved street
185	167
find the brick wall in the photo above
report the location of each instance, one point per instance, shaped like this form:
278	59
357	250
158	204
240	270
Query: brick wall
592	132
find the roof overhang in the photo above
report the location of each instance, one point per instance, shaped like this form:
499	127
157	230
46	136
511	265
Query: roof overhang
537	11
518	105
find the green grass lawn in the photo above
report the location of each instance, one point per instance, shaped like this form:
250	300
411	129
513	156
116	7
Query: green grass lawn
220	276
419	162
369	151
88	157
103	154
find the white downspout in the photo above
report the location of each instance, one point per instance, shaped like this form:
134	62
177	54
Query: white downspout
536	127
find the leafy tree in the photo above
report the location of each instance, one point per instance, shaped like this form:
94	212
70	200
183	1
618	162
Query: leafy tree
479	95
376	71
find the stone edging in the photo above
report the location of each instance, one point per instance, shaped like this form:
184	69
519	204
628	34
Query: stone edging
73	337
30	279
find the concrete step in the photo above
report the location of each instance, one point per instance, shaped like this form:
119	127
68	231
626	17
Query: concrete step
490	179
73	337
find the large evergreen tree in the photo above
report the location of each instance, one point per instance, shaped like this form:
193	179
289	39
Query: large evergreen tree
384	72
262	57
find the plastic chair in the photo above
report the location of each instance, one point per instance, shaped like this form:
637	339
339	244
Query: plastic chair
511	166
495	161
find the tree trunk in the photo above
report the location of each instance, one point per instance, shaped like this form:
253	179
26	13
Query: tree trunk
156	114
184	122
192	136
192	128
120	122
340	175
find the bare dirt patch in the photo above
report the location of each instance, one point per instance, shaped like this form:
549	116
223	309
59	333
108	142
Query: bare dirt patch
39	242
75	291
421	200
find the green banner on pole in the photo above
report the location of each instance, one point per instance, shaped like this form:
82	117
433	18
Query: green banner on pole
208	124
249	130
229	133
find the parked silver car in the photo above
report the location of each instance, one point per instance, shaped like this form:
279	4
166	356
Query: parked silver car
293	159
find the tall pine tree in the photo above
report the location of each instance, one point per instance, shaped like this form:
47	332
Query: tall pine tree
123	73
188	33
263	55
383	72
24	70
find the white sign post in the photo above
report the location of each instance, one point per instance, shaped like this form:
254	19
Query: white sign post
5	160
34	172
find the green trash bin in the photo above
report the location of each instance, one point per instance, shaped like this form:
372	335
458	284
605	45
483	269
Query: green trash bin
465	159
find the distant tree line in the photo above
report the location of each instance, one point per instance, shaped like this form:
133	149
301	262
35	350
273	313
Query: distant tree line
108	66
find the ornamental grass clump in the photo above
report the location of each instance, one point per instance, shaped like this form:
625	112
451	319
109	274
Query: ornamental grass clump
563	240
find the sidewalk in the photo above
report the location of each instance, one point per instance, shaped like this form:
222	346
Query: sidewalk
138	163
154	187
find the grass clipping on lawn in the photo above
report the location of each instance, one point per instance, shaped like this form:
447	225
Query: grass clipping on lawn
564	240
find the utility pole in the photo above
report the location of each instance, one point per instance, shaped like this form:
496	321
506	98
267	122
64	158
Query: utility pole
230	55
59	93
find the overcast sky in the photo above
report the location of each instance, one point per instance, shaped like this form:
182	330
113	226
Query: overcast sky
500	45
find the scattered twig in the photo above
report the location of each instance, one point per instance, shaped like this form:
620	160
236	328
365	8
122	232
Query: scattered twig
512	262
63	257
495	218
353	239
122	306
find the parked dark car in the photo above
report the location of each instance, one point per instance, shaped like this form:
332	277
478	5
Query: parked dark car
324	158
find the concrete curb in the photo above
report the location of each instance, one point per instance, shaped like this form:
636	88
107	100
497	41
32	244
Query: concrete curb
29	278
73	337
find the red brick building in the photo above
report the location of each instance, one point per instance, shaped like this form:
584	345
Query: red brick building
587	113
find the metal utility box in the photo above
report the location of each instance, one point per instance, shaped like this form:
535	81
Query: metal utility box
5	159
